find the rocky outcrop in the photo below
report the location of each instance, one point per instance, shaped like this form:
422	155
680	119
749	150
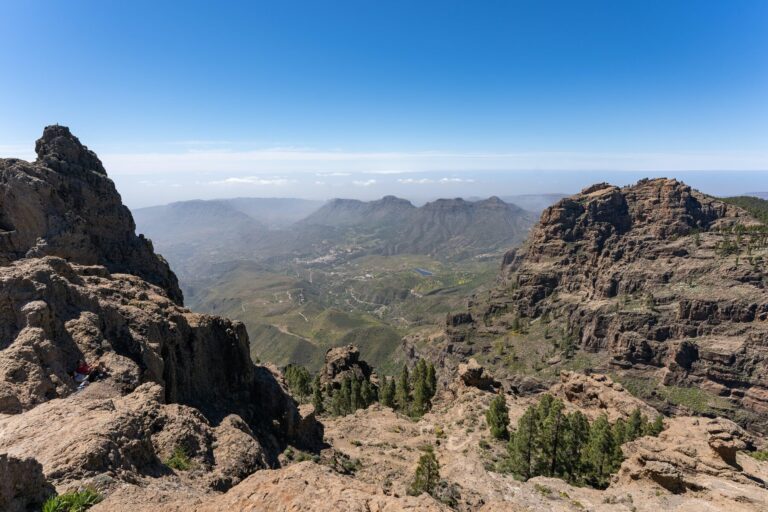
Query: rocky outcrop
688	454
23	486
343	362
598	394
57	313
638	278
473	374
77	283
64	205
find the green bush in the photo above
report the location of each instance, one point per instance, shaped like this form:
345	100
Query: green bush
78	501
180	460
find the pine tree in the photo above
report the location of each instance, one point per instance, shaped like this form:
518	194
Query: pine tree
345	394
298	379
420	390
431	380
522	445
545	403
317	397
388	392
427	474
497	417
599	452
635	425
337	406
355	398
403	391
575	439
620	436
366	394
550	440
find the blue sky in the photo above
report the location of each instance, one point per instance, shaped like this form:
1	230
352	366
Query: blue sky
199	99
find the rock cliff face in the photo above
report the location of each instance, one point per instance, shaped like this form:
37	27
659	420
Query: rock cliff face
76	283
667	282
64	205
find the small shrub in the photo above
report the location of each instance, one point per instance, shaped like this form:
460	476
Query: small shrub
180	460
78	501
761	455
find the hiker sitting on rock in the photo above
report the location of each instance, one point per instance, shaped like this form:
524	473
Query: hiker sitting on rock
85	374
81	372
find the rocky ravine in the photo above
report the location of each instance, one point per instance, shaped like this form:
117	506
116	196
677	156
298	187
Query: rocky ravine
638	280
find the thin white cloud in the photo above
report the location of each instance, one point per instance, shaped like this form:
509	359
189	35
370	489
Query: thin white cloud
299	160
415	181
425	181
253	180
365	183
330	174
457	180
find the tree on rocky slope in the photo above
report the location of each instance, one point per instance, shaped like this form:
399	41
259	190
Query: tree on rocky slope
388	392
402	392
317	396
522	445
549	442
427	475
599	452
497	417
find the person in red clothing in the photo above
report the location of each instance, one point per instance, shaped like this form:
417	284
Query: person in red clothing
81	372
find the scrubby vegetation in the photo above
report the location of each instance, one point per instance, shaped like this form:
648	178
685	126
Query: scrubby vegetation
179	460
757	207
77	501
761	455
549	442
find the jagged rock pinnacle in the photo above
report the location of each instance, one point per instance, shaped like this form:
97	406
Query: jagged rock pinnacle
61	151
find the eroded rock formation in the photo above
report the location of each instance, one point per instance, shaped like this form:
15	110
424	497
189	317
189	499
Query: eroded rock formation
344	362
639	274
76	283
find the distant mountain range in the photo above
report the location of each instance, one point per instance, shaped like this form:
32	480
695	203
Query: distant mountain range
194	235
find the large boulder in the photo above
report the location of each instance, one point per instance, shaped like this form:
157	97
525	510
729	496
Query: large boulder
343	362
